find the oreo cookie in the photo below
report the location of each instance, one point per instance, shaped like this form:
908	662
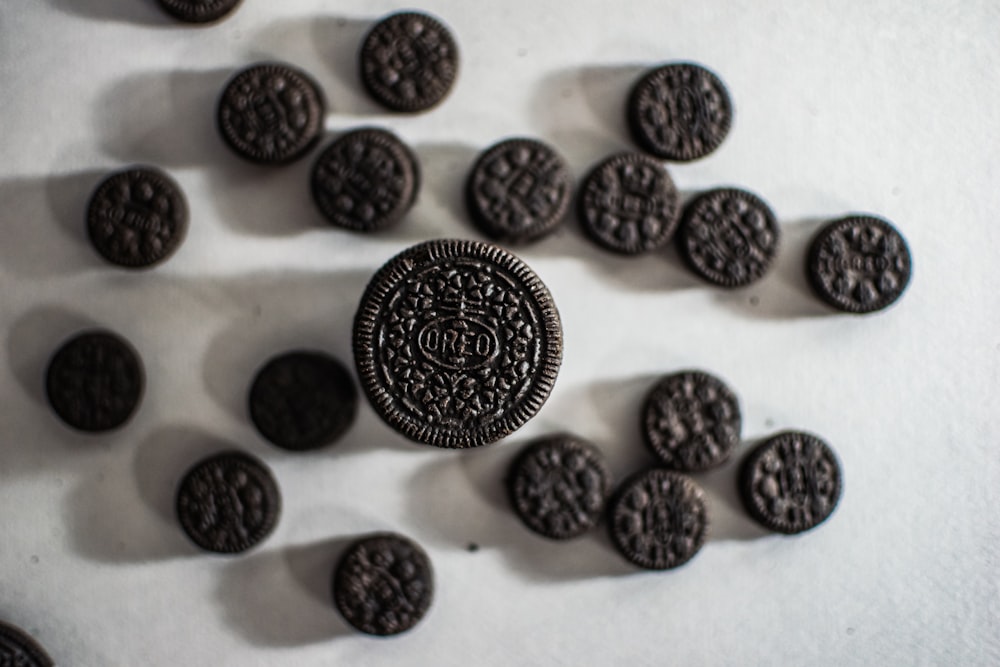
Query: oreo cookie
457	343
199	11
19	649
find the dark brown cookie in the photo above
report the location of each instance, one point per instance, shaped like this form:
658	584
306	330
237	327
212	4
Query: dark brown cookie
384	584
629	204
518	190
558	486
729	237
303	400
366	180
658	519
137	217
199	11
859	264
19	649
679	112
457	343
791	482
95	381
691	421
409	61
228	502
271	113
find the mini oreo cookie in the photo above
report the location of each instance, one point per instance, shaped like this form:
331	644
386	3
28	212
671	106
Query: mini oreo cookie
384	584
199	11
409	61
691	421
228	502
95	381
729	237
658	519
629	204
271	113
791	483
137	217
366	180
303	400
859	264
558	486
518	190
19	649
457	343
679	112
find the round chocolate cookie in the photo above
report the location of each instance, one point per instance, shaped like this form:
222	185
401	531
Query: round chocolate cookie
558	486
18	649
691	421
303	400
629	204
95	381
137	217
199	11
729	237
859	264
409	61
791	482
679	112
384	584
228	502
518	190
271	113
658	519
457	343
365	180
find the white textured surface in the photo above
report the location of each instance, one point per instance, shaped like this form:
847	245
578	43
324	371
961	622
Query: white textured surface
882	106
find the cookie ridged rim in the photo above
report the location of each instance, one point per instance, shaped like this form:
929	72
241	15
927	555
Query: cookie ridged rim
28	644
188	13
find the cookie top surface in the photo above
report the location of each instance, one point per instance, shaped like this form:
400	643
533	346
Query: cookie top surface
691	421
271	113
303	400
18	649
365	180
558	486
199	11
137	217
791	483
457	343
409	61
658	519
95	381
729	237
518	190
228	502
384	584
859	264
679	112
629	204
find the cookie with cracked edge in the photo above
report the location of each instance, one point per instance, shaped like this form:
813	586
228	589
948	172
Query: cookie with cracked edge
95	381
679	112
791	483
228	502
199	11
658	519
383	584
303	400
859	264
457	343
558	486
691	421
271	113
137	217
19	649
629	204
729	237
518	190
409	61
366	180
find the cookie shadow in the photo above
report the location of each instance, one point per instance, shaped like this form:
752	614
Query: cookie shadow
728	519
441	212
337	40
124	11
